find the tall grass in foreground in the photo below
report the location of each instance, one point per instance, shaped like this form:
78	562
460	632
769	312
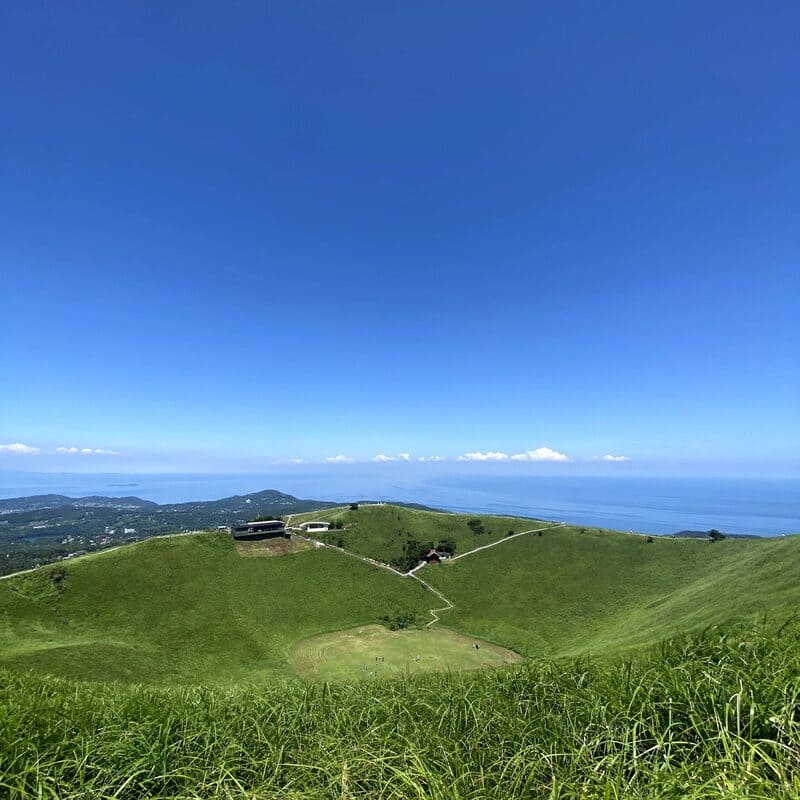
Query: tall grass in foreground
706	716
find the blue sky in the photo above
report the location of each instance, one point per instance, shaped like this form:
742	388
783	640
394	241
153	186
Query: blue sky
237	234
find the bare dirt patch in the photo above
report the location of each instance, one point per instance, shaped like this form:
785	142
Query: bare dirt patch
269	548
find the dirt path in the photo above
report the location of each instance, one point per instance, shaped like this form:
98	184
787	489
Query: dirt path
433	611
507	539
412	573
449	603
366	559
375	563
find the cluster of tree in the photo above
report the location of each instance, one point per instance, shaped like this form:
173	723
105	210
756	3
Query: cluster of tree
415	551
476	526
715	536
399	619
337	525
447	545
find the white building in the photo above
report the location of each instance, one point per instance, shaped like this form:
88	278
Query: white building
315	527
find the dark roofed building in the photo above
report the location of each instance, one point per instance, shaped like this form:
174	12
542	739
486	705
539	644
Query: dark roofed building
261	529
433	556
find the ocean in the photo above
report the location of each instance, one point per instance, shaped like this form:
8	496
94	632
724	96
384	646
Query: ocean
762	506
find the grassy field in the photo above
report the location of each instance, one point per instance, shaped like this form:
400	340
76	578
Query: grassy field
193	609
380	531
699	718
186	649
188	609
372	651
570	592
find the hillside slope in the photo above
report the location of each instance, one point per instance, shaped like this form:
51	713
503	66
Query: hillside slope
191	609
45	528
575	590
711	716
188	609
382	531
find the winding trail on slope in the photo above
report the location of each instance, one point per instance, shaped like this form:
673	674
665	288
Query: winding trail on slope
366	559
412	573
433	611
508	539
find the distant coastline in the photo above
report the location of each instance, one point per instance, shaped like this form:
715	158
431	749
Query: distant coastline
646	505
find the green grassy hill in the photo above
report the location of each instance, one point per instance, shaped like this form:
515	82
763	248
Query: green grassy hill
381	531
188	609
191	609
572	591
708	715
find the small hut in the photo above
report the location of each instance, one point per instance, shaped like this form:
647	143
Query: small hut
315	526
433	556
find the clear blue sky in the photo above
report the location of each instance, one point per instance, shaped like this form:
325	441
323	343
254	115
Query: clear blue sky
239	233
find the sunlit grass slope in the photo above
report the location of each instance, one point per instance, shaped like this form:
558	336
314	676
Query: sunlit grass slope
379	531
188	609
573	590
702	718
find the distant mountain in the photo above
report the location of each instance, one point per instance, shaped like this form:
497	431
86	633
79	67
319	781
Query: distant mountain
43	528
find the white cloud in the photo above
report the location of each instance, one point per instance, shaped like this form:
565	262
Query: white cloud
487	456
86	451
430	458
297	460
19	449
340	459
540	454
382	458
609	457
